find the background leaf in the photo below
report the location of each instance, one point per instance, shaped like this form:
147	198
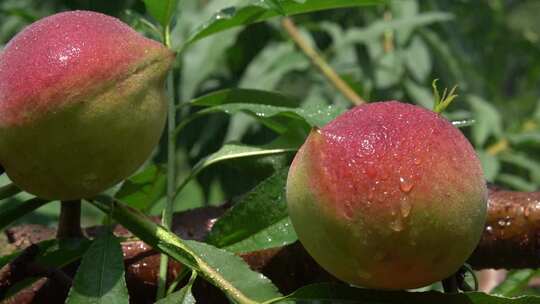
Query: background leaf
18	209
161	10
100	277
236	16
144	189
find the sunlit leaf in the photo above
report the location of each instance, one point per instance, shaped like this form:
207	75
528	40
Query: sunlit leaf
256	12
258	220
161	10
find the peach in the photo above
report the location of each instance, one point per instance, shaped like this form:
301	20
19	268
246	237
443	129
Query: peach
82	104
388	195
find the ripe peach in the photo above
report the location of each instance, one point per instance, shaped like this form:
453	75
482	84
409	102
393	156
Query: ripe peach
82	104
388	195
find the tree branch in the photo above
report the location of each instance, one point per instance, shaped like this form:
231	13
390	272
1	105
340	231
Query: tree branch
511	240
320	63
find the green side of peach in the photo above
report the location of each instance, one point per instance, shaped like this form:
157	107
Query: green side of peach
93	143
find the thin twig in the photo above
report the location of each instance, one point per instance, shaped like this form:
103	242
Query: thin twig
167	213
320	63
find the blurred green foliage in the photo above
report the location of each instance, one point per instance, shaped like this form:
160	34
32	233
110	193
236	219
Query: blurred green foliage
490	49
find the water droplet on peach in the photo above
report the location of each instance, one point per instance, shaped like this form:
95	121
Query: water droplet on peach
405	184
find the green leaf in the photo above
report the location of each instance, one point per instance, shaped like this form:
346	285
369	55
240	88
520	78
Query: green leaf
235	271
516	182
284	144
182	296
488	120
516	281
490	164
220	267
522	160
316	116
532	138
420	94
144	189
8	190
418	59
274	110
336	293
247	96
161	10
52	254
270	66
256	12
100	277
378	28
275	5
258	220
17	209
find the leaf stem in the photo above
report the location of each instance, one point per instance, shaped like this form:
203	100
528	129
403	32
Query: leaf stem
69	224
320	63
166	219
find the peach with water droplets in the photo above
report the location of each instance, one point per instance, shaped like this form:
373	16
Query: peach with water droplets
388	195
82	104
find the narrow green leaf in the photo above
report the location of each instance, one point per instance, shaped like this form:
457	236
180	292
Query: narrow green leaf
100	277
161	10
516	281
274	110
257	12
258	220
531	138
378	28
8	190
244	96
234	272
182	296
523	160
516	182
338	293
283	144
17	209
488	120
275	5
490	164
144	189
316	116
221	268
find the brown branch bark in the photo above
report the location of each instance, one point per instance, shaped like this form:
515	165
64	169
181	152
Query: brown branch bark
319	62
511	236
511	240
